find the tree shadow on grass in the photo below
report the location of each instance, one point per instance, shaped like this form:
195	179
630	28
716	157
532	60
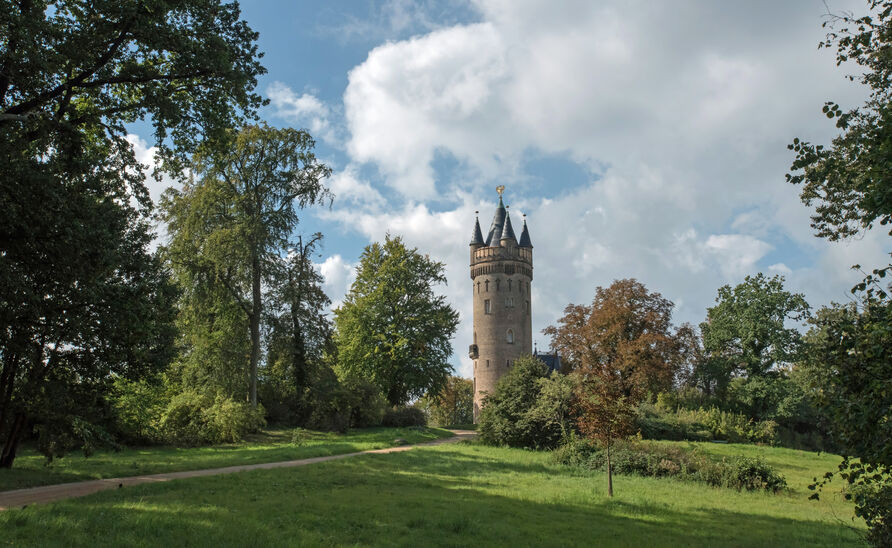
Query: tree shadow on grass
413	498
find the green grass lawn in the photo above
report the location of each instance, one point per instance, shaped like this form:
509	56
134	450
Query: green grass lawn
450	495
30	468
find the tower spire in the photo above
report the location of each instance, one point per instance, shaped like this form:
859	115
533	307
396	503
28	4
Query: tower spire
525	235
508	230
477	237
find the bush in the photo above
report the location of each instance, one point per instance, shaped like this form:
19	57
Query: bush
138	407
196	419
658	460
661	422
528	408
453	405
367	404
402	417
873	502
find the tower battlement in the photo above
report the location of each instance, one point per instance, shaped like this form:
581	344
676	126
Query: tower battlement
501	272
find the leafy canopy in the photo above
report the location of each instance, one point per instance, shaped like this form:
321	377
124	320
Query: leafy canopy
231	224
393	329
81	299
747	328
850	182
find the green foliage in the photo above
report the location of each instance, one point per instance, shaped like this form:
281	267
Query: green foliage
528	408
369	408
873	502
404	416
230	225
656	423
81	299
299	338
392	328
192	419
745	333
660	460
336	405
848	182
453	405
138	406
848	364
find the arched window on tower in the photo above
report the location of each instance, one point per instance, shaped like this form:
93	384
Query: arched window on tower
509	284
478	287
498	283
509	337
486	282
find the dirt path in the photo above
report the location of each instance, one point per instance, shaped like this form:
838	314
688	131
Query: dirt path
50	493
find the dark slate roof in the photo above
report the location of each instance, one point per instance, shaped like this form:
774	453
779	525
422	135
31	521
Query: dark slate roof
477	238
525	236
495	231
508	230
551	361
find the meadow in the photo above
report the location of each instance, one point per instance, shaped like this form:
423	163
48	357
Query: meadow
31	469
448	495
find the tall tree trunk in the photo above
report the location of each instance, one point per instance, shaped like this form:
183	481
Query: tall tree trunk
11	444
256	311
298	348
609	472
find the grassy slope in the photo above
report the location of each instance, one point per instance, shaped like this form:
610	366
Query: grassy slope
30	469
446	495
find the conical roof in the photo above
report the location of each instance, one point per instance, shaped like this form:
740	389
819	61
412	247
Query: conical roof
508	230
525	235
477	237
498	222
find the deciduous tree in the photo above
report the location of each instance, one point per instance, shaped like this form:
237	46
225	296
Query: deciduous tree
231	224
747	331
623	346
393	329
849	181
80	297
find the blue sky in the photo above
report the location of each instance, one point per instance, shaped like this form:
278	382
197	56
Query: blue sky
642	139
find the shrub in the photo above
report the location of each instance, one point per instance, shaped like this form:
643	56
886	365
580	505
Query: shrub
528	408
402	417
661	422
138	407
453	405
196	419
367	404
658	460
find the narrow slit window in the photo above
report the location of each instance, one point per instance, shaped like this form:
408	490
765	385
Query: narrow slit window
509	337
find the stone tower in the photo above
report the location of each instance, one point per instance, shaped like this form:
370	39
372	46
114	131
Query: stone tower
501	272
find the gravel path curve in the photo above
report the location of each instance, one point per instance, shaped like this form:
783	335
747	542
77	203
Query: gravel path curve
49	493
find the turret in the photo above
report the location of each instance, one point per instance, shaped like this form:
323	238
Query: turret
476	237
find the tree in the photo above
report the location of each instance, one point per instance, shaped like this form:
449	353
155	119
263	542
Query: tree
300	330
231	224
623	346
848	182
81	299
528	408
746	330
392	328
848	364
605	412
453	405
626	328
